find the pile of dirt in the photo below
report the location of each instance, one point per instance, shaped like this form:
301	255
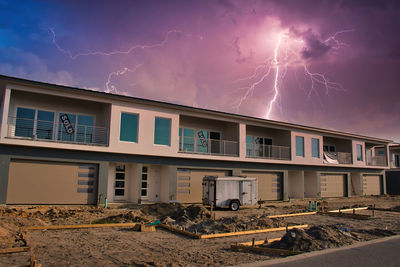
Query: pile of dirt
315	238
396	208
131	216
161	210
204	225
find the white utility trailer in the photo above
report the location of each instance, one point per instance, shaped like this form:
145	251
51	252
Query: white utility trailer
231	192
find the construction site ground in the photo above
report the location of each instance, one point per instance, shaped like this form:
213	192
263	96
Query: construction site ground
123	246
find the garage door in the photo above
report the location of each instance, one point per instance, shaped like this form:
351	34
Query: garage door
189	183
40	182
372	184
270	185
333	185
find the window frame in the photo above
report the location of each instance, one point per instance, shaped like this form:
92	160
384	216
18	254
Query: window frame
137	127
312	148
303	148
169	133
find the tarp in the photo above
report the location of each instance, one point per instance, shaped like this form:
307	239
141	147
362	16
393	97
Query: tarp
330	158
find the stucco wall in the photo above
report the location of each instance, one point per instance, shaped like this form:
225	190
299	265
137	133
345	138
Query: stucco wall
296	184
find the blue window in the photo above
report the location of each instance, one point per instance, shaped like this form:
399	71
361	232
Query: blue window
45	124
187	140
162	131
129	127
359	153
315	147
300	146
84	129
249	146
24	122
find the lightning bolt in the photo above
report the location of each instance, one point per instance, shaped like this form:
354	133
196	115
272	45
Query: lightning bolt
283	57
109	88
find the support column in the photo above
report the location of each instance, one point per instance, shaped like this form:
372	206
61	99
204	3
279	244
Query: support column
348	185
383	177
102	182
4	170
285	193
173	183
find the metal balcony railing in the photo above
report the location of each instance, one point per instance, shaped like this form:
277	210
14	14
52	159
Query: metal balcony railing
208	146
269	152
344	158
378	160
22	128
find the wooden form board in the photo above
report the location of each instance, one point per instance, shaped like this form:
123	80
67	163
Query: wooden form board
292	214
14	250
249	232
79	226
274	251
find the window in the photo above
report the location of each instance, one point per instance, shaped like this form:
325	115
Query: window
75	128
143	190
300	146
162	131
119	186
129	127
315	147
330	149
249	146
34	123
187	141
359	153
24	122
45	124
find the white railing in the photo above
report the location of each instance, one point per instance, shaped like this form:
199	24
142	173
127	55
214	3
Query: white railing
208	146
22	128
378	160
269	152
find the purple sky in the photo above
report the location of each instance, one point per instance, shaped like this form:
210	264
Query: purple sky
199	53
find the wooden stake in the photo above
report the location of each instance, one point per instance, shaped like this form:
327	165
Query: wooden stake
252	242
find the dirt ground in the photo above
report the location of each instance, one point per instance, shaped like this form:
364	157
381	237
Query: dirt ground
126	247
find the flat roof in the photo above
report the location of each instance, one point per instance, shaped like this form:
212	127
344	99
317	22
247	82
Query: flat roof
160	103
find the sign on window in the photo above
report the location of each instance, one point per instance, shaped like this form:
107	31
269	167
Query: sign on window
69	129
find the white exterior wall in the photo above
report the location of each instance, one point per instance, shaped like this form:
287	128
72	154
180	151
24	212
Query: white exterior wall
145	144
307	159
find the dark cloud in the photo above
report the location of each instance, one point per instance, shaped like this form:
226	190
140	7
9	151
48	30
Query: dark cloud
314	47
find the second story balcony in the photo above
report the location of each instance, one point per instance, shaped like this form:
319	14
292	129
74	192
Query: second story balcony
262	142
337	151
65	132
208	136
375	155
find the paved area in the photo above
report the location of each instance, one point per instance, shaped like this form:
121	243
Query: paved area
380	252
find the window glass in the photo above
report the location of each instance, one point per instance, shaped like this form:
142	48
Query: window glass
188	140
129	127
45	124
300	146
359	152
24	122
66	127
249	145
84	129
162	131
315	147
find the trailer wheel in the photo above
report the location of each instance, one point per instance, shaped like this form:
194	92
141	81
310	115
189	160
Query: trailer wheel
234	205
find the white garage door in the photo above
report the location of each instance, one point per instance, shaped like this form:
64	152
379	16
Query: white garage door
189	183
43	182
333	185
270	184
372	184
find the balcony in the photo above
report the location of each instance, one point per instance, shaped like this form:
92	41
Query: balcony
269	152
338	157
378	160
208	146
42	130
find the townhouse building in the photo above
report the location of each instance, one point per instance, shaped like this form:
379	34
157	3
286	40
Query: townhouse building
393	173
63	145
